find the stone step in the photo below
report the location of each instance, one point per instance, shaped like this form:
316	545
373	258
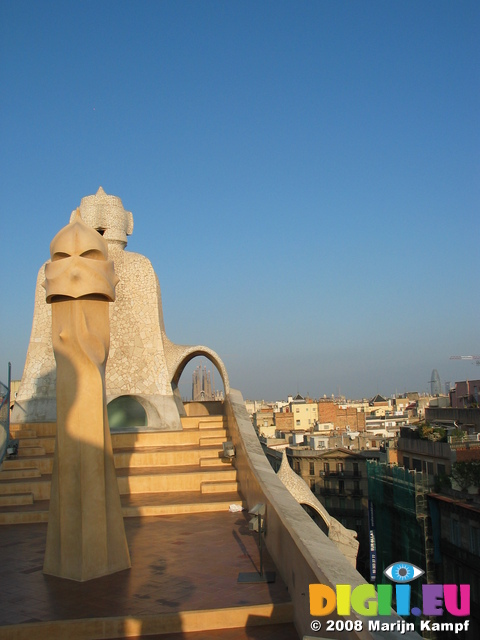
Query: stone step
162	504
135	505
173	481
15	463
46	442
132	440
211	422
43	464
162	624
161	457
22	517
13	474
212	441
39	428
219	487
38	487
15	499
30	451
20	434
219	461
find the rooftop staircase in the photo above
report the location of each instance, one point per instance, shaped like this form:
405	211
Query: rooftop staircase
159	472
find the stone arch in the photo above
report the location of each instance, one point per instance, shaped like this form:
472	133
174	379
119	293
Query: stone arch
192	352
131	404
318	516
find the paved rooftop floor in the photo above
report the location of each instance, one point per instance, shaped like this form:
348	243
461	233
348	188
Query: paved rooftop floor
179	563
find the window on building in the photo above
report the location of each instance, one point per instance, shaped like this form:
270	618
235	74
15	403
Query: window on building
355	469
296	466
417	464
441	469
406	462
455	532
326	468
475	540
312	484
356	486
341	486
312	468
298	423
430	468
357	505
340	467
342	503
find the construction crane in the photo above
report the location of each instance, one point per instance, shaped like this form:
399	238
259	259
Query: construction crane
477	358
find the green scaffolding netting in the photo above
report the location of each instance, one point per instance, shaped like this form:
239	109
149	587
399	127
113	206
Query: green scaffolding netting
398	498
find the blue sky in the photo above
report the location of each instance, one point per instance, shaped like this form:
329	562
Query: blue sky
304	176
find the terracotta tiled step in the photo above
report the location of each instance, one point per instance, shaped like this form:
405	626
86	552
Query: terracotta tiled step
16	499
14	474
161	456
14	463
219	487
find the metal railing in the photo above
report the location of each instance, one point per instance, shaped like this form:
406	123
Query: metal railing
5	414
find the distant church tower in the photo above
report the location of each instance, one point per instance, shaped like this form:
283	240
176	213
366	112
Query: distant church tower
201	385
436	385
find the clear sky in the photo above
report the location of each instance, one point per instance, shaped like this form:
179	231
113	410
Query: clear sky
304	176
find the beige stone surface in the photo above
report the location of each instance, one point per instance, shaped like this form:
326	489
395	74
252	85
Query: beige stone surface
345	539
143	362
86	535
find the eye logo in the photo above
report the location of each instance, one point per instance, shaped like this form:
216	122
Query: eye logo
403	572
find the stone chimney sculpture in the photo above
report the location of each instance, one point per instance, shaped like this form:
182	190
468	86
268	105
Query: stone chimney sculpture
144	365
86	535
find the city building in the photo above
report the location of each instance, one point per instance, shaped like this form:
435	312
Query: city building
341	416
456	538
465	395
338	478
305	413
435	384
399	523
